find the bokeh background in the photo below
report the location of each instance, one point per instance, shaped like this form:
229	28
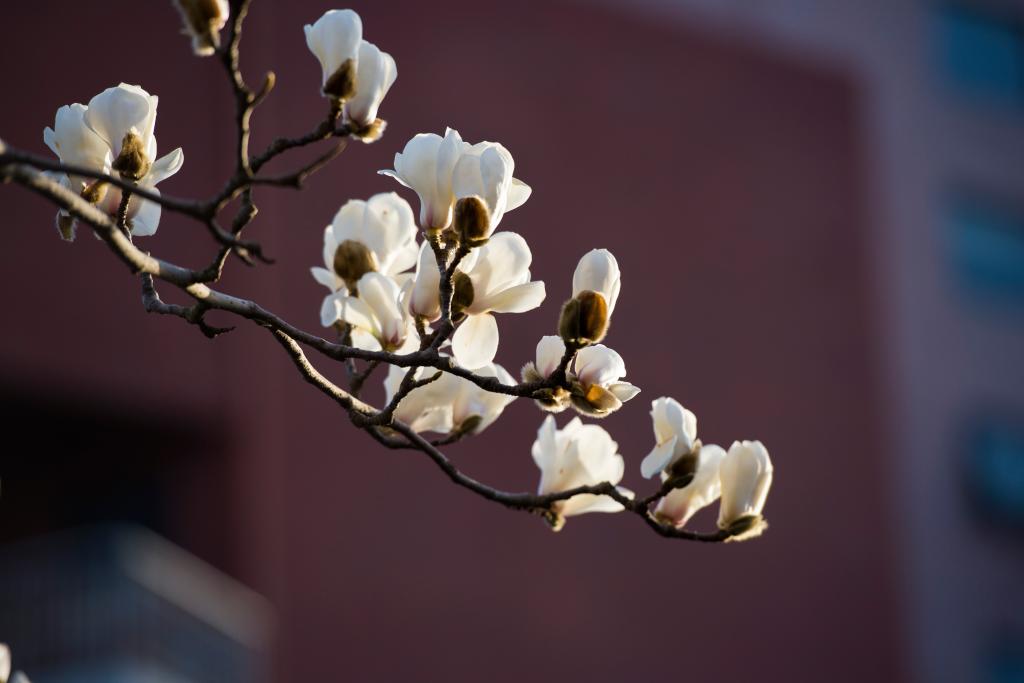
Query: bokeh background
818	206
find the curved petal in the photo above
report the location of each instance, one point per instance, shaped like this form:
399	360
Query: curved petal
578	505
475	343
147	218
518	193
658	459
501	263
165	167
362	339
330	309
375	74
516	299
598	271
334	38
115	111
623	390
326	277
550	350
357	313
599	365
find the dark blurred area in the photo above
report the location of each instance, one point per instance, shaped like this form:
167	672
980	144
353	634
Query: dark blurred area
818	207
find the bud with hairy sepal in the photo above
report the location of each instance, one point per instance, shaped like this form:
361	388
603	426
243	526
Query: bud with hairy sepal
203	21
353	260
95	192
341	85
594	401
472	221
745	528
132	163
372	132
462	295
584	319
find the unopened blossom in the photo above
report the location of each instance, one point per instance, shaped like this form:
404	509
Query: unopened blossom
597	389
203	21
577	455
450	404
595	290
114	135
675	433
377	318
334	40
746	477
355	72
428	164
681	504
483	177
498	282
550	350
375	235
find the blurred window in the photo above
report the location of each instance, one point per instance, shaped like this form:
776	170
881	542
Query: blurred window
981	53
995	471
987	245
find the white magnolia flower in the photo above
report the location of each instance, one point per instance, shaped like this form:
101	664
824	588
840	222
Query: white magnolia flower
485	171
354	70
597	389
93	137
577	455
203	21
450	403
598	271
428	164
379	235
378	317
5	663
425	166
746	476
675	431
425	298
550	350
681	504
500	279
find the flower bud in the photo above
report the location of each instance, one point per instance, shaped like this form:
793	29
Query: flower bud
341	85
95	193
584	319
203	21
746	476
472	221
353	260
462	295
132	163
595	400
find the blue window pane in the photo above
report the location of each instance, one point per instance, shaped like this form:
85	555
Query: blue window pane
996	472
982	54
987	244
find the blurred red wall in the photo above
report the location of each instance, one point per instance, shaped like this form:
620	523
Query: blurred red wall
728	183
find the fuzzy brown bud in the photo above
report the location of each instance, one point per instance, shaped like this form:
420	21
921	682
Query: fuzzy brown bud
584	319
132	163
203	21
342	84
472	221
462	295
352	260
94	193
594	401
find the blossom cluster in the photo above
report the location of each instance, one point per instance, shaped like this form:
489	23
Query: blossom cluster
396	278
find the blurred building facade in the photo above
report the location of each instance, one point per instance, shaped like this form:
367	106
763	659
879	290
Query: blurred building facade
942	96
816	202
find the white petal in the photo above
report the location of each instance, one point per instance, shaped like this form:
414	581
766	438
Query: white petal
746	476
550	350
518	193
425	299
330	309
325	277
475	342
658	459
358	313
146	217
598	271
501	263
375	75
363	339
599	365
623	390
516	299
5	663
579	505
115	111
165	167
389	230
